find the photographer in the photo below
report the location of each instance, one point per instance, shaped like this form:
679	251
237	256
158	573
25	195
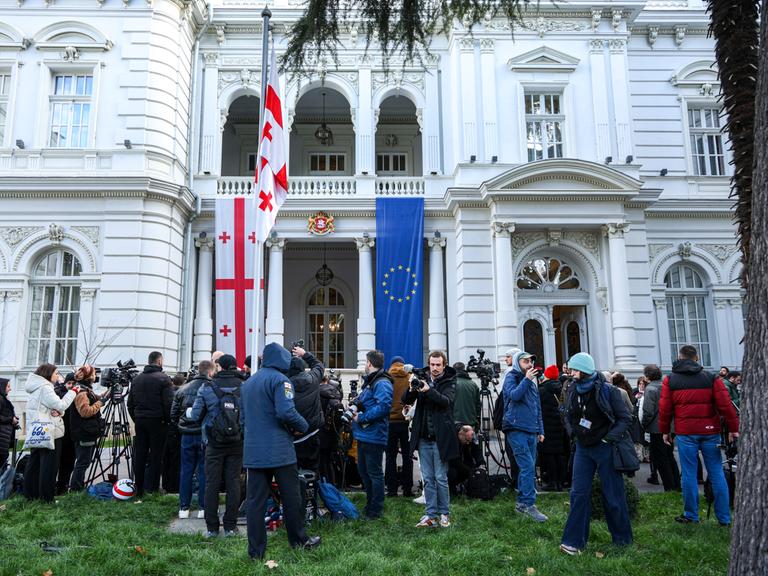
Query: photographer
192	454
328	436
470	458
149	405
306	386
466	406
85	424
8	422
433	434
370	428
523	428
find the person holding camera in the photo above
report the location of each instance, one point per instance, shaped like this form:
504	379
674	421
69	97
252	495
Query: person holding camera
9	423
306	387
370	427
149	405
270	422
85	424
192	448
218	405
462	468
433	434
523	428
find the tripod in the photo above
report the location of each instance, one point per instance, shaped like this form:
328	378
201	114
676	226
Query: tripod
118	429
492	440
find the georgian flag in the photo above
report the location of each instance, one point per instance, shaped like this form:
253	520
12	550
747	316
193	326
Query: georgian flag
272	170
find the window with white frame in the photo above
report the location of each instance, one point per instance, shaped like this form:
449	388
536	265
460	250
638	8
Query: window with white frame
70	113
55	312
5	89
686	297
391	163
706	141
327	163
544	125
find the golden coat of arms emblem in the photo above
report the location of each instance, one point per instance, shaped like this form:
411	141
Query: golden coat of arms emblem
321	224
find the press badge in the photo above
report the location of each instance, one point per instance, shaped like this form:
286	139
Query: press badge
584	423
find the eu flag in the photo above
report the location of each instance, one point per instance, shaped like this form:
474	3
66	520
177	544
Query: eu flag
399	267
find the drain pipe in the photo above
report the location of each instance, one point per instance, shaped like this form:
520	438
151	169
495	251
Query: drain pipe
185	352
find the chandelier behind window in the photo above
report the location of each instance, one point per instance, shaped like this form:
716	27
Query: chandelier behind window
324	275
323	133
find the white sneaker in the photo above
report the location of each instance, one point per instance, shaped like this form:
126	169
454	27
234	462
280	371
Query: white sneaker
445	521
421	499
184	514
201	514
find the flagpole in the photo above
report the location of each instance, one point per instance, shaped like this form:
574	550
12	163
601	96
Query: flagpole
266	14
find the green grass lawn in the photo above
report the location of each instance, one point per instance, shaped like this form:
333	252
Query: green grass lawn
488	538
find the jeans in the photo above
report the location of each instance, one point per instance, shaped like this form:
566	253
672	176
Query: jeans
369	464
40	474
663	459
435	474
192	459
397	441
222	462
258	490
83	456
523	446
688	447
148	453
586	460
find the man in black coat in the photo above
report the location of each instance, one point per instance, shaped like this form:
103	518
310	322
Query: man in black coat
434	436
149	404
8	422
470	457
306	386
552	460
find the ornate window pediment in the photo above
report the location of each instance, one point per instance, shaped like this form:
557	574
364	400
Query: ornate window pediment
543	59
69	36
701	75
547	274
12	38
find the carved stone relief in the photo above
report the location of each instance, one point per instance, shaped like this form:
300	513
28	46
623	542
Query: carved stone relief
14	235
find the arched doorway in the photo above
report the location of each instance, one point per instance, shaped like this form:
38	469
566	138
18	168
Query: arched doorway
398	139
240	137
552	297
326	326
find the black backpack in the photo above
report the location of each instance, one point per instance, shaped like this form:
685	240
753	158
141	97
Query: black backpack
225	428
498	411
330	400
479	485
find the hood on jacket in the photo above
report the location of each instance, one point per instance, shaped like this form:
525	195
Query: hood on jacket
276	357
686	367
516	360
149	368
35	382
397	370
297	366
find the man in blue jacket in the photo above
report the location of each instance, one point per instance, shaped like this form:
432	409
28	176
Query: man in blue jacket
270	422
370	428
523	428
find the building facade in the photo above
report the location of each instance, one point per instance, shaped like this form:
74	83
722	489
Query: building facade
575	182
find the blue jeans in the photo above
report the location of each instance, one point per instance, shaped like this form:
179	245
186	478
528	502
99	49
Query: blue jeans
192	458
585	461
370	465
435	474
688	447
523	446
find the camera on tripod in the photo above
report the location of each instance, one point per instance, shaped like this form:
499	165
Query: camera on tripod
119	378
485	369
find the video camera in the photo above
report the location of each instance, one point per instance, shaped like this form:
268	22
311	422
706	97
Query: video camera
422	375
487	370
119	378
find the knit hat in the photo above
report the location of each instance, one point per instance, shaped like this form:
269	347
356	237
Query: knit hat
397	359
551	372
227	362
582	362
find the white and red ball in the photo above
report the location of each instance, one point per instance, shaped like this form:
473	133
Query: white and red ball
123	489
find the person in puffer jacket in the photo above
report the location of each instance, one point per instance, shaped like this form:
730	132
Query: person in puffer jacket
523	428
8	422
306	386
44	404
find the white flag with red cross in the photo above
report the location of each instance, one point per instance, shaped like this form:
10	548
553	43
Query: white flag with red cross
272	169
235	271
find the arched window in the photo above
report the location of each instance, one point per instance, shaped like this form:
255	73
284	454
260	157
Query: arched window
686	297
325	314
533	339
548	275
55	313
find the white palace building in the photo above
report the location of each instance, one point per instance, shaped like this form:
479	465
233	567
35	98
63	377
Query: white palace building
575	182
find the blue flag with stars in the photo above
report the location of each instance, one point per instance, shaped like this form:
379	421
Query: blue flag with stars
399	267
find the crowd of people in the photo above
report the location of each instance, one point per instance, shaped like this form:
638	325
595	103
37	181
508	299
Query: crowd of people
224	426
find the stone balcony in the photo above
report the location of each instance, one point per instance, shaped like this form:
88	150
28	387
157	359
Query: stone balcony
330	186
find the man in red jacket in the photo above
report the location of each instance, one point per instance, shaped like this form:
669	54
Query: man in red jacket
697	400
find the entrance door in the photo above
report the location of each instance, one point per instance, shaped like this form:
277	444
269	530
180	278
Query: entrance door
570	331
326	326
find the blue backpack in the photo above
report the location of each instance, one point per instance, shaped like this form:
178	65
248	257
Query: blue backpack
336	502
101	491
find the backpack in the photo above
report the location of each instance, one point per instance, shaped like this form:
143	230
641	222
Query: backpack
225	428
330	401
498	411
479	485
336	502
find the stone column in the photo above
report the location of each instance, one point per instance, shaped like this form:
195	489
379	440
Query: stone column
85	332
366	323
437	323
468	100
488	74
620	90
599	100
210	143
365	153
662	329
430	141
622	317
203	334
504	276
275	328
737	331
